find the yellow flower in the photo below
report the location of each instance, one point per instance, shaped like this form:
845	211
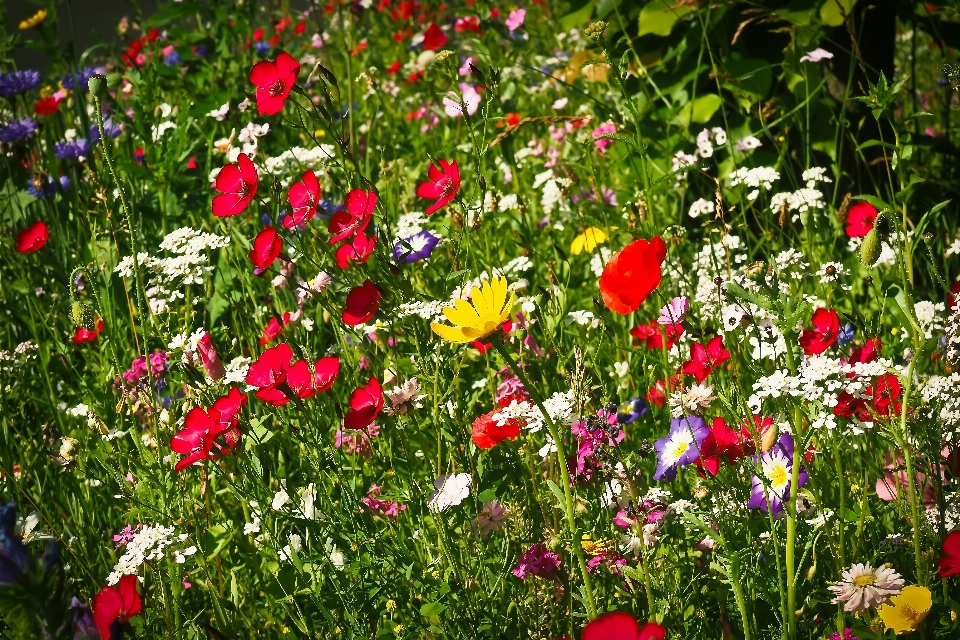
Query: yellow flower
587	241
907	610
33	20
595	548
477	319
391	605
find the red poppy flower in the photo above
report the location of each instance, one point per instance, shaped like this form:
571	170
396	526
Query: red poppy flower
196	440
273	329
434	37
365	404
229	407
266	248
82	334
46	106
210	359
238	185
860	219
867	353
885	392
32	238
468	23
258	35
325	372
362	303
114	606
393	68
632	275
277	380
354	218
300	28
653	334
656	395
482	347
303	196
703	360
728	444
847	406
404	10
274	80
826	325
618	625
443	184
359	249
950	563
487	433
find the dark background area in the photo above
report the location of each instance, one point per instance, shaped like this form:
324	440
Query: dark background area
93	22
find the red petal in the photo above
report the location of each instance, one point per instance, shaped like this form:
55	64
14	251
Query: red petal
612	626
287	68
107	606
429	190
264	73
325	372
229	180
248	171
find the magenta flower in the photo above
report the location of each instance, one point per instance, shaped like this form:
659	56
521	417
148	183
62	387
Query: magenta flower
515	19
603	130
386	508
538	561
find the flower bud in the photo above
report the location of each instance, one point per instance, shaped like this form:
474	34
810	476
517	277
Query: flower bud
82	315
873	242
97	84
210	359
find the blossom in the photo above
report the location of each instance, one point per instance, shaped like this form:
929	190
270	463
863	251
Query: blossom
419	246
114	606
603	130
653	334
537	561
354	217
358	249
273	329
776	466
303	197
82	334
674	311
238	185
356	441
198	437
489	519
949	565
385	508
210	359
274	80
405	398
907	610
434	38
492	428
632	274
588	241
488	309
366	403
680	446
826	325
72	149
80	78
728	444
32	238
515	19
860	219
467	23
442	184
618	625
816	55
17	130
864	587
704	359
362	303
631	410
17	82
266	248
469	101
34	20
451	490
278	379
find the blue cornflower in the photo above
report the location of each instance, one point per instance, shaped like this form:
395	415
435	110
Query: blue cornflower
17	82
17	130
72	149
265	219
201	50
49	187
82	76
172	58
262	48
112	130
845	335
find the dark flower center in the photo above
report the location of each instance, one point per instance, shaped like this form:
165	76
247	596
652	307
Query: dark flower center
276	89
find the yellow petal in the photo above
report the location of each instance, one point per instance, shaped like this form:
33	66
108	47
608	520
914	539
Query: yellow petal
481	300
499	290
508	307
576	247
462	314
592	237
450	334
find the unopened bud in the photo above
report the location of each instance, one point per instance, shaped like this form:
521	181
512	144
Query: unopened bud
82	315
97	84
594	31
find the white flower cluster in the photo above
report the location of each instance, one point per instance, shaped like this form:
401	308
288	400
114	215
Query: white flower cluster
693	399
951	338
148	543
553	186
681	161
800	201
757	178
290	164
428	310
814	175
411	224
929	315
582	318
704	146
943	393
701	207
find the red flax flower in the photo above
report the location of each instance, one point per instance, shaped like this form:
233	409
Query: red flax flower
442	185
273	329
274	80
488	433
278	379
303	196
47	106
266	248
950	563
359	249
365	404
238	185
632	275
622	626
653	334
198	437
32	238
229	407
826	327
82	334
860	219
704	359
114	606
362	303
434	37
359	206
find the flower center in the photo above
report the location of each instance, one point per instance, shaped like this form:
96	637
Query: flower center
910	614
778	477
446	187
276	89
865	580
677	446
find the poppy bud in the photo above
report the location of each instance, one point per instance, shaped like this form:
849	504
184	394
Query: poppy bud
97	84
873	242
211	361
82	315
768	438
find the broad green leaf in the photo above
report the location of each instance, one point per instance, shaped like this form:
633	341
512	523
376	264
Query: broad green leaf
578	17
831	14
659	17
702	109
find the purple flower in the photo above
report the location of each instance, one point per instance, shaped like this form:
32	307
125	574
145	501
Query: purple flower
776	466
262	49
72	149
112	130
172	58
49	187
17	82
680	446
82	76
17	130
631	410
537	561
417	247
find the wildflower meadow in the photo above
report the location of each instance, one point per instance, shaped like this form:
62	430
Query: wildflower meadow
613	320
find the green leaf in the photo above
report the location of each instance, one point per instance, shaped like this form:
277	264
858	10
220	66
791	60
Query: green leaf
880	204
659	17
556	491
735	290
578	17
432	609
831	14
751	75
171	11
702	109
456	274
488	495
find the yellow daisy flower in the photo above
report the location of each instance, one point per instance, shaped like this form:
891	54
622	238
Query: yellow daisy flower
33	20
479	318
595	547
587	241
906	610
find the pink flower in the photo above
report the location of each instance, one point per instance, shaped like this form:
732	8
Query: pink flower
537	561
470	98
515	19
376	506
210	359
489	519
864	587
356	441
602	130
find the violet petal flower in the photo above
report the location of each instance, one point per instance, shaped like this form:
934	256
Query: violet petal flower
777	467
680	446
417	247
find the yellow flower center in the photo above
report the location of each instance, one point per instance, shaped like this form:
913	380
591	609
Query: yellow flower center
865	580
778	478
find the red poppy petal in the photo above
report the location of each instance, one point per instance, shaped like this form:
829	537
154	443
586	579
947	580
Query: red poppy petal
325	372
264	73
612	626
